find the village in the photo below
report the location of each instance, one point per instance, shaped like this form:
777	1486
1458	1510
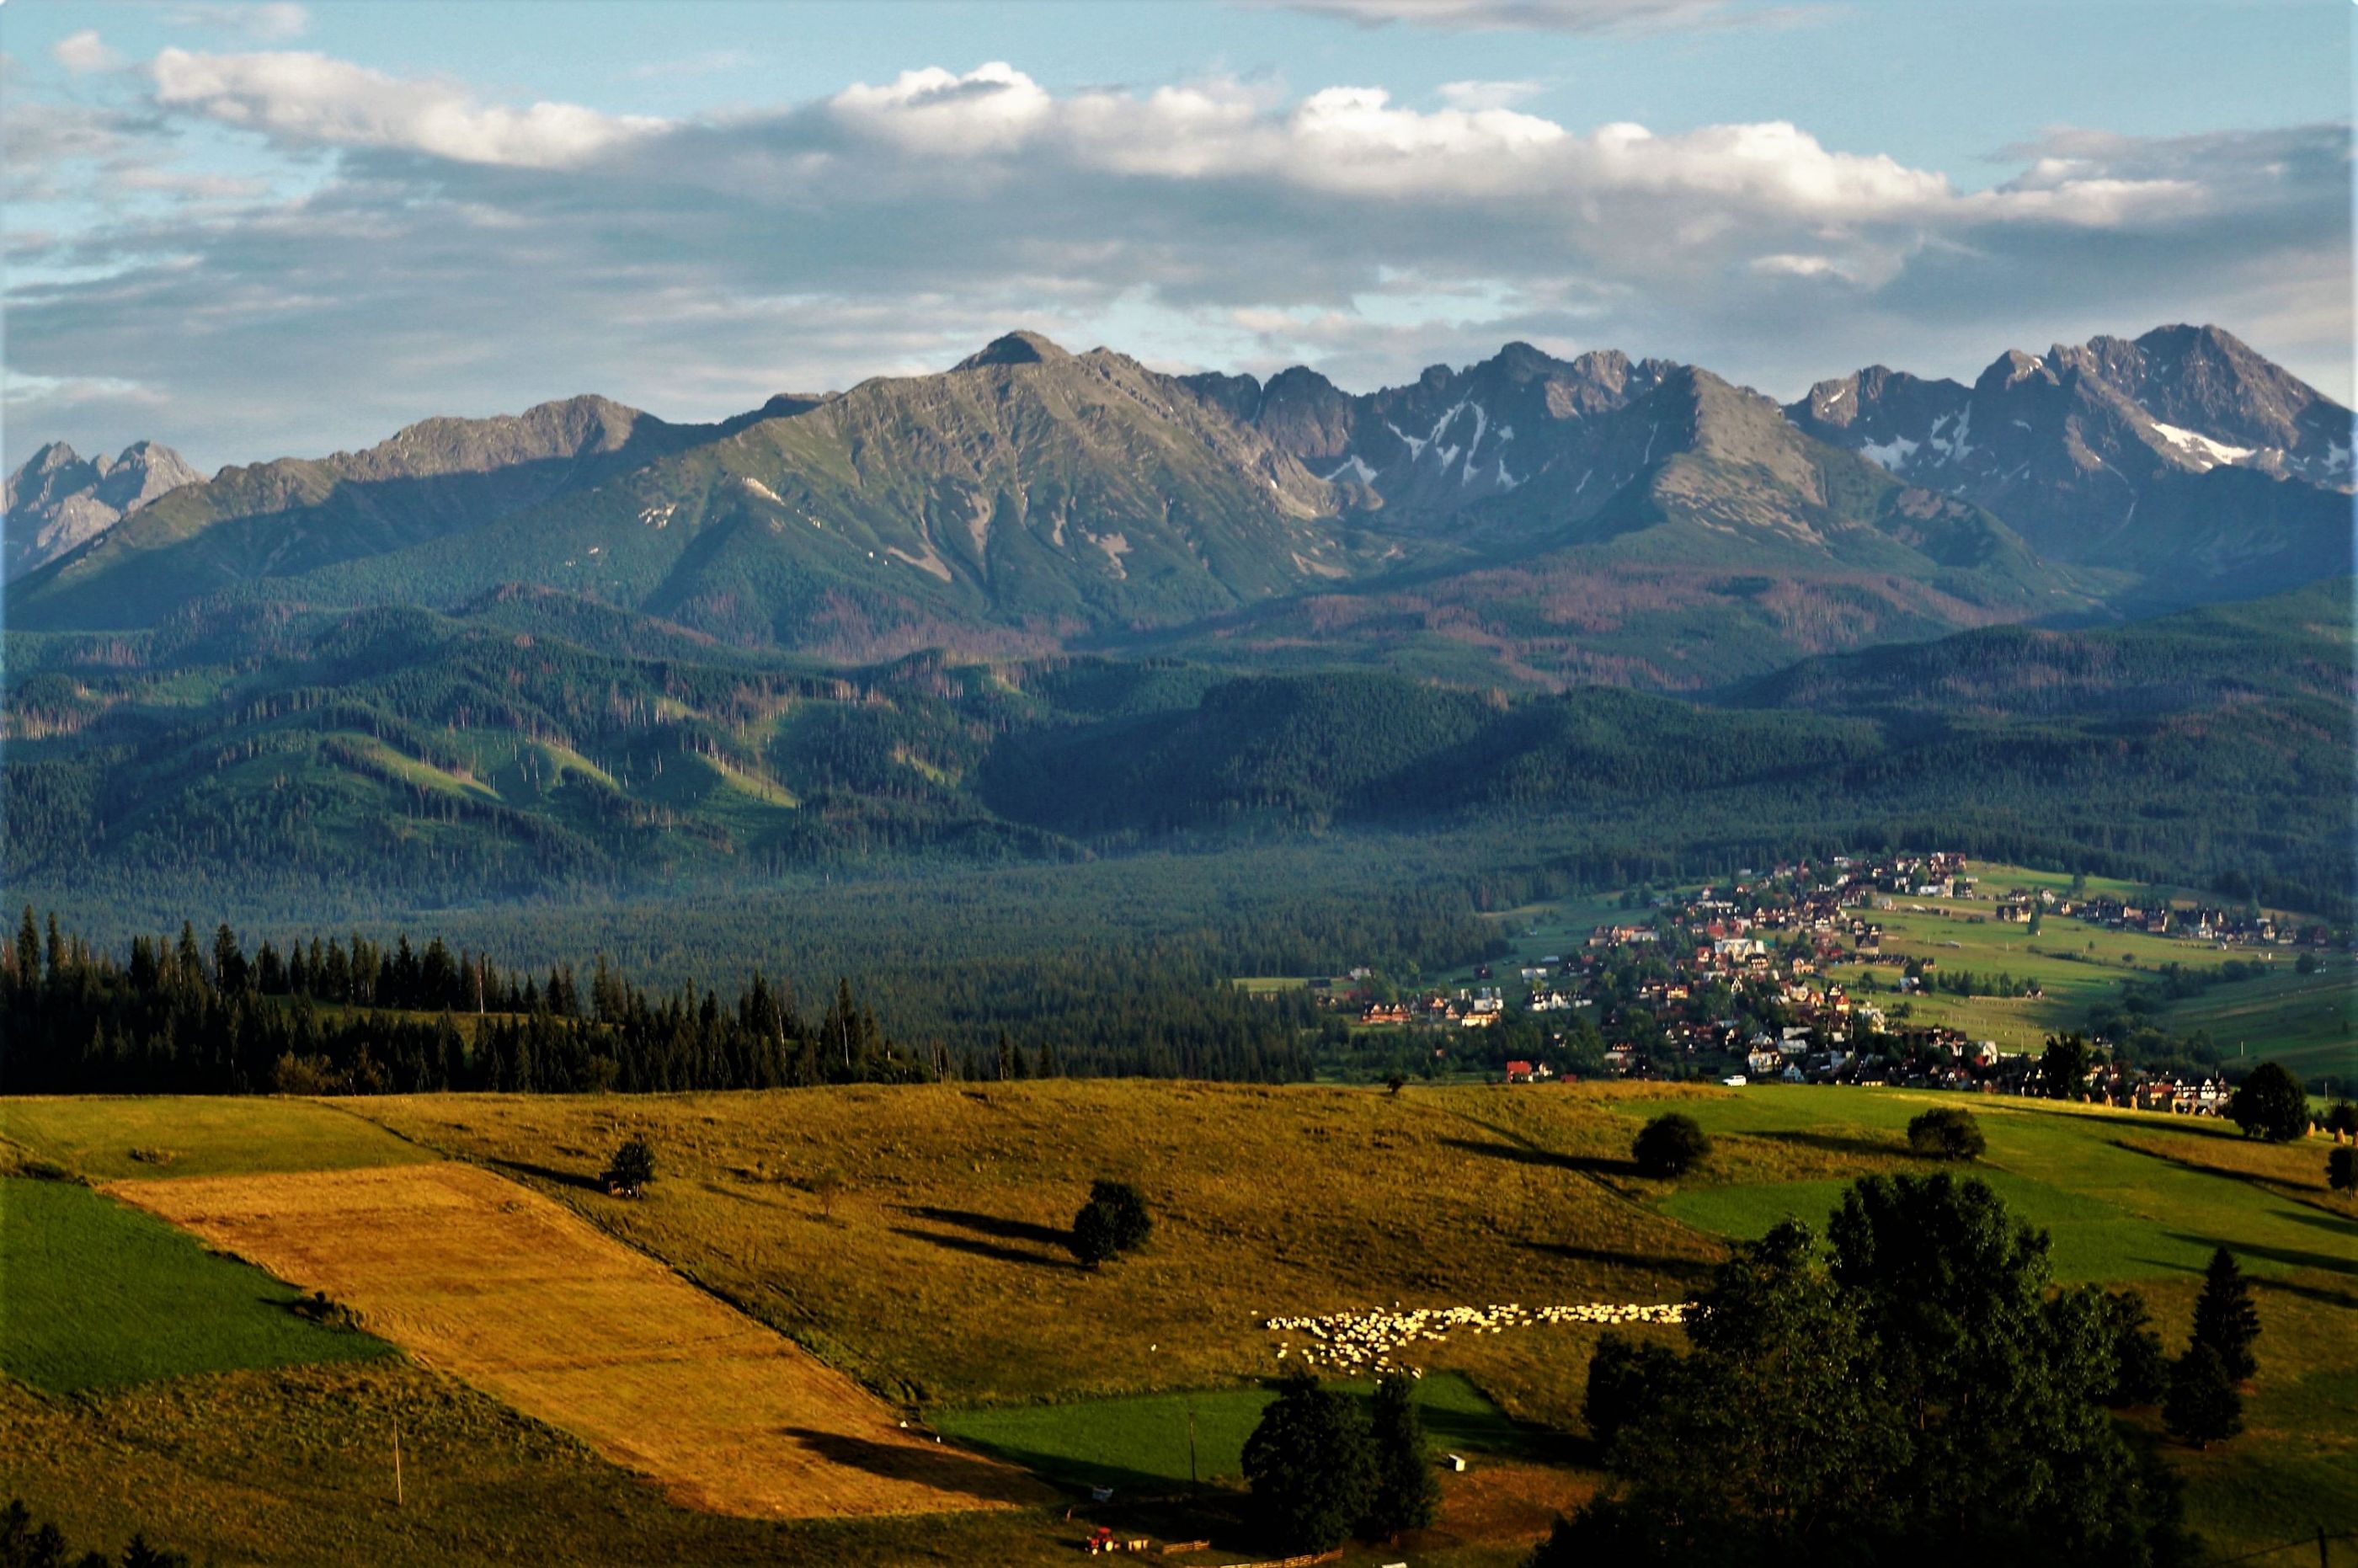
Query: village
1787	976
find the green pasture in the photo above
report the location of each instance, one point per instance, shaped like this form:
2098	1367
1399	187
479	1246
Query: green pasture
2309	1022
1141	1441
2127	1195
108	1139
95	1294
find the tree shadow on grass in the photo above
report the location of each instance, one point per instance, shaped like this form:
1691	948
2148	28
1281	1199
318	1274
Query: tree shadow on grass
1832	1142
982	1249
2290	1257
939	1467
993	1224
1586	1165
550	1174
2342	1299
1686	1270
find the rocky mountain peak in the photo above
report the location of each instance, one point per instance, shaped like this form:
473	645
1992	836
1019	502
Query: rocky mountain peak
1018	348
58	501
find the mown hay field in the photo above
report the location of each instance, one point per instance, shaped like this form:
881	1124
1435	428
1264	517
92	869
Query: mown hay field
95	1294
505	1289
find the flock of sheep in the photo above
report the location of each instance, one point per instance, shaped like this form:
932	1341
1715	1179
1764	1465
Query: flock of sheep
1358	1342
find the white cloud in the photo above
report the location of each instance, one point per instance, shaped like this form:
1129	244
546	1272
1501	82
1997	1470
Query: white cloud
1487	95
83	52
270	23
306	98
693	266
1560	16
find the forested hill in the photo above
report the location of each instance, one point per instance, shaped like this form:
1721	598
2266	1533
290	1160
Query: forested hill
539	743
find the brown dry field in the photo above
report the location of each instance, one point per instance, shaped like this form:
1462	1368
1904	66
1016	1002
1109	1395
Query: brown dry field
506	1290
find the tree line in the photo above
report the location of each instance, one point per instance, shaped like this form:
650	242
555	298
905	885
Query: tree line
336	1016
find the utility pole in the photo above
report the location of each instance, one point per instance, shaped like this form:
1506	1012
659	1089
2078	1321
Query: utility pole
396	1464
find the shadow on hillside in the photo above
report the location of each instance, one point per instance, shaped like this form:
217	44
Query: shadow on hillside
2319	1293
549	1174
2290	1257
942	1467
1587	1164
975	1247
2307	1214
1832	1142
992	1225
1686	1270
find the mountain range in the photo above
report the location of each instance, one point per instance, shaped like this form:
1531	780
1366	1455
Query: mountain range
1528	520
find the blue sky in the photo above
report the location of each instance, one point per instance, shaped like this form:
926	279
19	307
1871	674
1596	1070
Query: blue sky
249	229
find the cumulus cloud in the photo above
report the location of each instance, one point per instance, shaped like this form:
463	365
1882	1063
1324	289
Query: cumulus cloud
302	99
1487	95
451	253
1559	16
83	52
273	22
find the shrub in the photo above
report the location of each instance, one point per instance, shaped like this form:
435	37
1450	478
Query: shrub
2140	1371
1670	1145
2342	1169
1114	1221
2271	1105
1093	1235
632	1166
1946	1132
1131	1224
1625	1379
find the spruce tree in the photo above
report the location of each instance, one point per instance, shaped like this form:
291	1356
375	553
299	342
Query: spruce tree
2204	1407
1406	1490
2224	1318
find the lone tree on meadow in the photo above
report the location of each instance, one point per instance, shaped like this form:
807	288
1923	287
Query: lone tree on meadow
631	1169
1311	1465
1406	1491
2224	1318
1114	1221
2204	1407
2342	1169
2342	1120
1946	1132
2271	1105
1670	1145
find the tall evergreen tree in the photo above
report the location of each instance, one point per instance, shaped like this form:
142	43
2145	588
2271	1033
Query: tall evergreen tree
2224	1318
1406	1490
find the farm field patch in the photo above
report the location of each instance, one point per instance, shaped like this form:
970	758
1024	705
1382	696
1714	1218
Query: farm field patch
1142	1441
95	1294
110	1139
505	1289
2309	1022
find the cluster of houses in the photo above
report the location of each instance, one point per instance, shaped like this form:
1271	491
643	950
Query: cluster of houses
1732	979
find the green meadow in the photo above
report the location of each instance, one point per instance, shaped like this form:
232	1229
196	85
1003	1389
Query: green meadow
1144	1441
95	1294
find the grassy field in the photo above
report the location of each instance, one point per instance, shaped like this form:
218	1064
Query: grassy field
109	1139
2309	1022
1141	1442
509	1291
915	1238
95	1294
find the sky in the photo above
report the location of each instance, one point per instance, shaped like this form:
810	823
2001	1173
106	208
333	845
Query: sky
250	229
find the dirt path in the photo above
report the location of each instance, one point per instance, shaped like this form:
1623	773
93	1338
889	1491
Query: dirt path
501	1287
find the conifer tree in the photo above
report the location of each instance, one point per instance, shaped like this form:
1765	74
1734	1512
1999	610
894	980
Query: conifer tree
2224	1318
